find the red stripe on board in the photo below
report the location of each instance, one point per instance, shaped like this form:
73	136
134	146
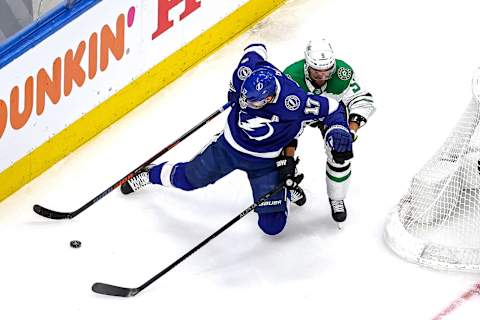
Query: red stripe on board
475	290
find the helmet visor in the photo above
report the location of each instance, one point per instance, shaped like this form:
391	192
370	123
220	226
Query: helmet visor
321	75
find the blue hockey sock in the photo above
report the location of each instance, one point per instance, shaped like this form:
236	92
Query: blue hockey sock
170	175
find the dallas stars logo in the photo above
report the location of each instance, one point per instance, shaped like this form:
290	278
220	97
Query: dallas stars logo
344	73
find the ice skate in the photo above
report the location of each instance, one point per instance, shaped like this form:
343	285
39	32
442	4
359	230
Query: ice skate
297	196
138	181
339	212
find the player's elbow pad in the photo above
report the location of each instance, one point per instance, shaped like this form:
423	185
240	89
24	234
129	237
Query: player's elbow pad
363	106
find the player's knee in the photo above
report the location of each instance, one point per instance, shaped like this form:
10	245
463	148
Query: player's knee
180	179
272	223
342	167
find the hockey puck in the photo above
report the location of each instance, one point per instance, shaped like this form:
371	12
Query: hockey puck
75	244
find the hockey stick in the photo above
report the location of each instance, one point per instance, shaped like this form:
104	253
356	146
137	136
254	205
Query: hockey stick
51	214
111	290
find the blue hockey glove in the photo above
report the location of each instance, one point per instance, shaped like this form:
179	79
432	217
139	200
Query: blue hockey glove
339	139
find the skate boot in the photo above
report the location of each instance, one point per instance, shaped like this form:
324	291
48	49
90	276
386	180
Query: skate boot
138	181
339	212
297	196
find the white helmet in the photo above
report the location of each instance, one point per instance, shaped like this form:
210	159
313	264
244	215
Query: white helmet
319	55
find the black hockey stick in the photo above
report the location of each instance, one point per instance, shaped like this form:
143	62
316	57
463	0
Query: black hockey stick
51	214
111	290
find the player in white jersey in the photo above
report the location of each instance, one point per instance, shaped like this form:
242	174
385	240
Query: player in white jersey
321	73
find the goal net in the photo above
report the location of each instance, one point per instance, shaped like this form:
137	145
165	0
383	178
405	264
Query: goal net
437	223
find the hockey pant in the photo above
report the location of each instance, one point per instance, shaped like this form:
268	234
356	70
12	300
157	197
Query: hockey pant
337	175
216	161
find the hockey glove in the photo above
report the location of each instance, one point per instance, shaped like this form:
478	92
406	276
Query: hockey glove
292	182
339	140
232	94
286	166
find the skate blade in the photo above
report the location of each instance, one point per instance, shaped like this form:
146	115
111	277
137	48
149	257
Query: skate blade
340	225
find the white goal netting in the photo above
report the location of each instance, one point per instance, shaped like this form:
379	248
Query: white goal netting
437	223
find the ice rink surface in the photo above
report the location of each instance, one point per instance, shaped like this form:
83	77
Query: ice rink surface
416	57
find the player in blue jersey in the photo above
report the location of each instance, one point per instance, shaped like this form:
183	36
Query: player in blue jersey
268	113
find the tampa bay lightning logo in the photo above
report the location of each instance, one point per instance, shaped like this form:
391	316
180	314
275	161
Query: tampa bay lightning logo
256	128
292	102
243	72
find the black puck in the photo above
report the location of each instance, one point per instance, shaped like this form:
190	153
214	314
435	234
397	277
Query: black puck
75	244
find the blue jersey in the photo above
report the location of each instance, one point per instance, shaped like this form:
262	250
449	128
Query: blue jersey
266	131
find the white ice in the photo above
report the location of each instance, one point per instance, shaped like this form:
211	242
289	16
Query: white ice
416	57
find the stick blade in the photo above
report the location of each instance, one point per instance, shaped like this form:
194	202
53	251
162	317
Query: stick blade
50	214
109	290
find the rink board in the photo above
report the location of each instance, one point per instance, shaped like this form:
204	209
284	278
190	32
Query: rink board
124	99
